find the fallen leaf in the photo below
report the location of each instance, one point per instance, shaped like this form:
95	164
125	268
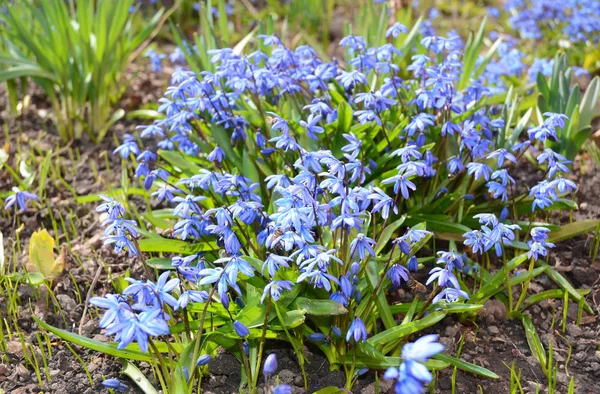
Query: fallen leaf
41	256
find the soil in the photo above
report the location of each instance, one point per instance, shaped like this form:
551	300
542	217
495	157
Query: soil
491	341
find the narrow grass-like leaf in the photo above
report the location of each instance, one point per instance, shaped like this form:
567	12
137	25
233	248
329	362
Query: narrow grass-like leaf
466	366
574	229
109	348
534	342
398	332
564	284
387	233
380	298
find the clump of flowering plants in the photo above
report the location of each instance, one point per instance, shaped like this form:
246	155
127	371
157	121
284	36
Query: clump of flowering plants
297	193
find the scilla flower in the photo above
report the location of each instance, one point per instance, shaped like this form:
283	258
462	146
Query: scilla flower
270	365
357	331
20	198
114	384
412	375
241	329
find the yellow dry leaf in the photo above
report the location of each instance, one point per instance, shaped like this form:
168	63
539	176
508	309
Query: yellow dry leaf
41	256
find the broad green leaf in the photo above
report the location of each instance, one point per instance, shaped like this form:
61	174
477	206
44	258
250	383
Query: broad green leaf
344	118
368	350
466	366
329	390
160	263
390	362
455	307
109	348
174	246
320	307
41	256
588	103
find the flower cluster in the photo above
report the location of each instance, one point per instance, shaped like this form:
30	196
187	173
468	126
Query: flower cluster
538	245
293	167
579	20
119	232
139	313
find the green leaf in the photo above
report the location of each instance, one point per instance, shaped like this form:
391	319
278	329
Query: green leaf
436	224
380	298
320	307
534	342
160	263
493	284
160	244
24	71
387	233
564	284
329	390
368	350
574	229
389	362
472	51
138	377
178	159
402	331
344	117
455	307
109	348
588	103
465	366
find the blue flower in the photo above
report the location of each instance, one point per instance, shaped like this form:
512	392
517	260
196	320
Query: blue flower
20	198
450	294
479	170
114	384
362	244
139	327
270	366
397	273
275	288
357	331
395	30
217	155
273	262
282	389
311	126
401	184
203	360
128	147
240	329
382	202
